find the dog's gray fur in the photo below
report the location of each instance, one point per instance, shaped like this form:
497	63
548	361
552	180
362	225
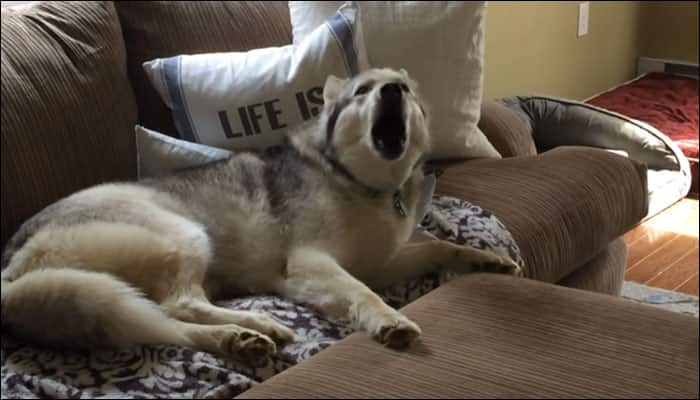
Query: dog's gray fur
314	220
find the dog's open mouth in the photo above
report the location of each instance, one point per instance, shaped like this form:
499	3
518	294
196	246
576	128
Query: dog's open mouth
389	131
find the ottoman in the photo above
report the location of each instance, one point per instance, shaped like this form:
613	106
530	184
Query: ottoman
487	335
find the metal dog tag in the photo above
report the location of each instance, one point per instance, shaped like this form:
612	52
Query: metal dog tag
398	204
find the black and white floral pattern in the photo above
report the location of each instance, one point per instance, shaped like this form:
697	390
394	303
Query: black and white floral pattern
177	372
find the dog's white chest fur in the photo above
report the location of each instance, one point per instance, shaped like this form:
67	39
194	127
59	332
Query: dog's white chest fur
364	237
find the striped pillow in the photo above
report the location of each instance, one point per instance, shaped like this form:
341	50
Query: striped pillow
247	100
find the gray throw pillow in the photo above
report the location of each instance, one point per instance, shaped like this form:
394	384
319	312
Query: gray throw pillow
159	154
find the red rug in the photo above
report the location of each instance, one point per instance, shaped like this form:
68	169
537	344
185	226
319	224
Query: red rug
667	102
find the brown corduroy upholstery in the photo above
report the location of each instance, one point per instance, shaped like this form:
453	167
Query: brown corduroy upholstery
68	111
509	132
154	29
604	273
487	335
562	207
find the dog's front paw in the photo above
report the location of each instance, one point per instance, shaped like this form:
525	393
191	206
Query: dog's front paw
516	270
278	332
397	332
250	346
500	265
473	260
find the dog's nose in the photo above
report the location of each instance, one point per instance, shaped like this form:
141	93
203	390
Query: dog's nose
391	91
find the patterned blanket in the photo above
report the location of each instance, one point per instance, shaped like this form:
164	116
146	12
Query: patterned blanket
177	372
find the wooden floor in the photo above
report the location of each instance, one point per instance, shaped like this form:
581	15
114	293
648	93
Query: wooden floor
663	252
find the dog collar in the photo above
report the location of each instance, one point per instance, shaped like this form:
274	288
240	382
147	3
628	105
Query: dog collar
339	167
397	200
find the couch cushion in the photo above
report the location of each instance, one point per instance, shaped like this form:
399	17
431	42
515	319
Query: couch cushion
68	112
155	29
508	131
562	206
487	335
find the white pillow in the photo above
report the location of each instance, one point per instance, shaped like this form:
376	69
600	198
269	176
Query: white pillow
247	100
440	44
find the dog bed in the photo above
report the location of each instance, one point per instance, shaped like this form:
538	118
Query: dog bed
177	372
667	102
560	122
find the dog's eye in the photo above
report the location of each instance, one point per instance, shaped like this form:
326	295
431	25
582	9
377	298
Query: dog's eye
362	90
404	87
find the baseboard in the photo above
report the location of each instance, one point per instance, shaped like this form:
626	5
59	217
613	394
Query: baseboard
677	67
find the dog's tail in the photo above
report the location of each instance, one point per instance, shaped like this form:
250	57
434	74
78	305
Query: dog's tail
73	308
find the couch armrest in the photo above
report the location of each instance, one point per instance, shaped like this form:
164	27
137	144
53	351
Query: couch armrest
562	207
509	131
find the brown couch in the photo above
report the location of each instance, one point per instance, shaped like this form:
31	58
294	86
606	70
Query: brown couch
73	88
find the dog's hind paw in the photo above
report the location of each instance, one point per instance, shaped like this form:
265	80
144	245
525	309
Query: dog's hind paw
398	333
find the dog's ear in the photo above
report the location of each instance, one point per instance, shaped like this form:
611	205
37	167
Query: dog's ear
331	90
403	72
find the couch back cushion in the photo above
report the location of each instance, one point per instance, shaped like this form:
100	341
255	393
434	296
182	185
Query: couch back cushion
157	29
510	132
68	111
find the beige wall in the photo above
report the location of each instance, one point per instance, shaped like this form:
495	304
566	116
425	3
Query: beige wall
533	48
670	30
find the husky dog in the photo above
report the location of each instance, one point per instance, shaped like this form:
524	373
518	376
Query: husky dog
322	220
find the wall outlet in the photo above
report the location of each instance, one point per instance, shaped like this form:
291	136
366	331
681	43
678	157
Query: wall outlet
583	18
